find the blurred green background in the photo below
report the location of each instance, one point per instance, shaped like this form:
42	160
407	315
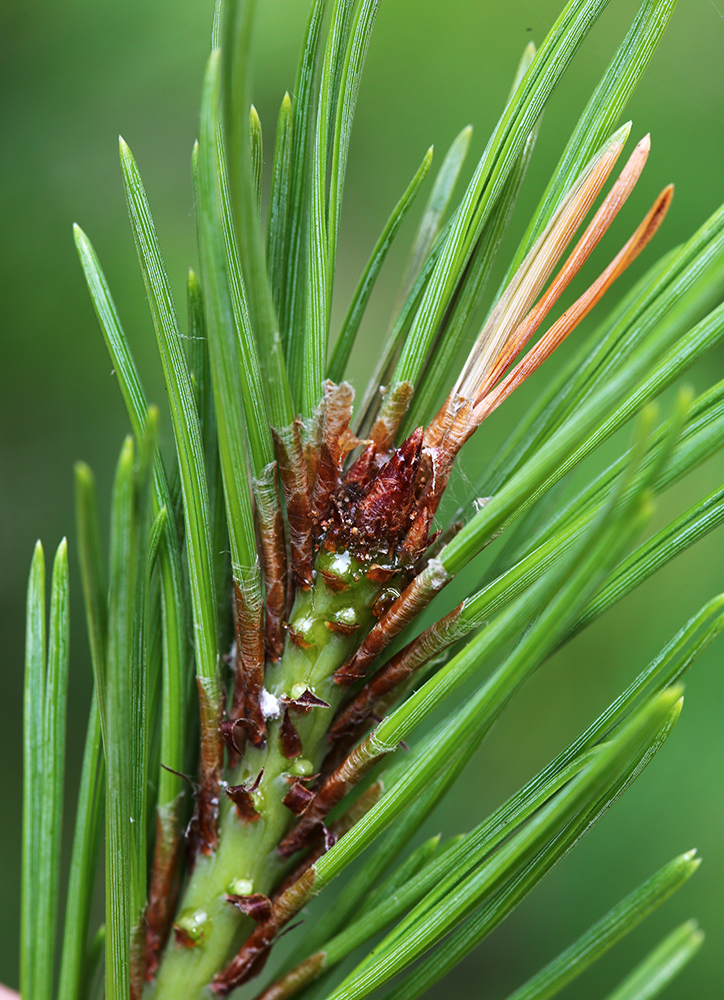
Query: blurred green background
76	73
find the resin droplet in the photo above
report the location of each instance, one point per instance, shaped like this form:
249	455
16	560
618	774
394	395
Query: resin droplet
301	768
344	621
192	927
241	887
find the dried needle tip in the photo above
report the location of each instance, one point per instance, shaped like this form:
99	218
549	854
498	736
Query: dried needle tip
483	385
534	271
514	319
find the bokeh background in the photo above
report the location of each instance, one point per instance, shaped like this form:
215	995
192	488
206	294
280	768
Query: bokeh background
75	73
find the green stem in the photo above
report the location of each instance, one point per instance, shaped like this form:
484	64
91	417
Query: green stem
246	860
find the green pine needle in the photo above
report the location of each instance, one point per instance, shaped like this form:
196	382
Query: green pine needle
657	970
350	327
611	928
46	685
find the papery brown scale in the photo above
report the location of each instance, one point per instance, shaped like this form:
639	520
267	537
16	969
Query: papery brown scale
229	729
346	776
286	986
396	401
137	956
255	905
417	537
257	781
249	668
242	798
250	959
434	545
443	461
298	798
274	558
327	482
275	584
364	469
397	670
342	746
313	444
205	825
305	702
163	892
289	739
337	440
294	477
382	515
351	671
319	844
454	409
315	851
416	596
445	437
240	970
338	435
359	808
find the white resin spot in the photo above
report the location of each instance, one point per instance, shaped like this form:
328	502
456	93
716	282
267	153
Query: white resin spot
270	706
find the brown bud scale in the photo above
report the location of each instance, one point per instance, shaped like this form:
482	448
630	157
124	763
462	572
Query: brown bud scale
289	739
298	798
255	905
242	798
